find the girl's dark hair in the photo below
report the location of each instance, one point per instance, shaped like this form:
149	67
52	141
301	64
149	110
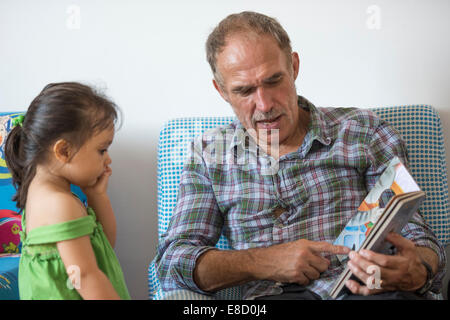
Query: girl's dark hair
67	110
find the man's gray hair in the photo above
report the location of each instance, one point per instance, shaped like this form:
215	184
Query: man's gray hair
246	21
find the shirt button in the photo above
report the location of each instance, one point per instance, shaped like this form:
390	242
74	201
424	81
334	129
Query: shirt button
264	161
279	224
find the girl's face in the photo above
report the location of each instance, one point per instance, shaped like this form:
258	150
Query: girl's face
91	160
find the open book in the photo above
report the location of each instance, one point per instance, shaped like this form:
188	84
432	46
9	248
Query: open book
370	226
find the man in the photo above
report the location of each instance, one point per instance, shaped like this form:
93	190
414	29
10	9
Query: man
281	223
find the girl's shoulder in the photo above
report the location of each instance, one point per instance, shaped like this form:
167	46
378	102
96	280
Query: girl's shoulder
51	207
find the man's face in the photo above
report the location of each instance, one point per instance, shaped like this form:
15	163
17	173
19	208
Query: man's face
258	81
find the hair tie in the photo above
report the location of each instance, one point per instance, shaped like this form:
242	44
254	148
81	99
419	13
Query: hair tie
18	121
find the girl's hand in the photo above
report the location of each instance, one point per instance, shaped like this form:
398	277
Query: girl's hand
98	199
100	187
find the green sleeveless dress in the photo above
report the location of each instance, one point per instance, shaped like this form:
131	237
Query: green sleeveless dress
42	274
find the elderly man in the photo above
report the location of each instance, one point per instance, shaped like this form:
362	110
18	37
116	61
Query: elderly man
281	223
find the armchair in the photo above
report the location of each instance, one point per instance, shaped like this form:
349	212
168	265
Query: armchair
419	126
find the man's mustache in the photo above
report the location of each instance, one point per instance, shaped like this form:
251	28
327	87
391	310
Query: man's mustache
265	116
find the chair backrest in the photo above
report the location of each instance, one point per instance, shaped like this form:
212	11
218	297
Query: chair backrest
9	217
419	126
6	188
421	129
174	140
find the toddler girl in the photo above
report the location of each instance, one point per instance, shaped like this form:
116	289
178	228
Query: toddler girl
67	249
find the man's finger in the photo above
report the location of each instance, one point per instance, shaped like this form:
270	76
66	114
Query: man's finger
319	263
400	242
320	247
358	271
359	260
311	273
369	270
382	260
357	288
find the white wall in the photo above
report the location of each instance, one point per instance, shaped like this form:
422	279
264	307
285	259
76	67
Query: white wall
149	56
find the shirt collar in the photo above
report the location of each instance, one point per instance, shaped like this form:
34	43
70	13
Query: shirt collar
318	128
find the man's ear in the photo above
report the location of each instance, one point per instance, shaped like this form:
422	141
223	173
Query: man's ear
62	151
295	64
219	89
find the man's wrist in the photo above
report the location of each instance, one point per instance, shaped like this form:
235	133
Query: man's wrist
428	278
217	269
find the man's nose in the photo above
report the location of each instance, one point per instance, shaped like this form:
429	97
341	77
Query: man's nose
263	100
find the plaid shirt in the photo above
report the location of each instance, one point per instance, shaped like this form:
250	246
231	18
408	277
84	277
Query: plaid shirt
227	186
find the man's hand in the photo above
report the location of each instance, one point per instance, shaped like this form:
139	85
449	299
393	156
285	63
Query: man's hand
299	261
293	262
401	272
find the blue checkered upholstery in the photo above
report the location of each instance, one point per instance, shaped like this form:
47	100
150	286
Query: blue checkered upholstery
9	263
419	125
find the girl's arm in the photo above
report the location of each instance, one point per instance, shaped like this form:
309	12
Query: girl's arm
81	265
98	200
105	214
77	254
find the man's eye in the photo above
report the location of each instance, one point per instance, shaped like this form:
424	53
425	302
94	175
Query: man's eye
274	81
246	92
102	151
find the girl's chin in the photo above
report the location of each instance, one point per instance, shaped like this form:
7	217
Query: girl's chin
90	183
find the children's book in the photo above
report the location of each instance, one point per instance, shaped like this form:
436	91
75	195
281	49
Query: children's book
370	226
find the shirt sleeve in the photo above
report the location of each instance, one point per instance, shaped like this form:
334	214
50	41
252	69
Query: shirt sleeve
195	226
385	143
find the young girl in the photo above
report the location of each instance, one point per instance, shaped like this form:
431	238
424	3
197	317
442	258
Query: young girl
66	249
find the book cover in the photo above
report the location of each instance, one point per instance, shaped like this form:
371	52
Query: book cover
370	226
396	178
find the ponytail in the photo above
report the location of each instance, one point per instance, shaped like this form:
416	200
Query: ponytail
21	171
